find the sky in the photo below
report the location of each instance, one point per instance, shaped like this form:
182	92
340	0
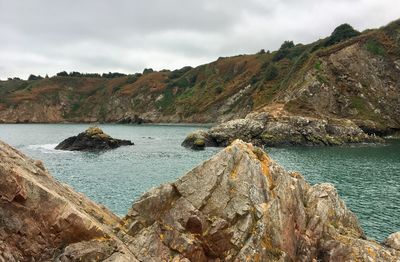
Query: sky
49	36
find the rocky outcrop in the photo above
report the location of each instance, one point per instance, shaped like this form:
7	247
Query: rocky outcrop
266	130
93	139
198	140
43	220
133	120
241	206
238	206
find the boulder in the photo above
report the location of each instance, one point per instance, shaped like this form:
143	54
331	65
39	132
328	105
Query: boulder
198	140
93	139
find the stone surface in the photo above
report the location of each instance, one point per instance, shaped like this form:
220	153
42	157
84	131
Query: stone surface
93	139
44	220
238	206
135	119
241	206
198	140
393	241
263	129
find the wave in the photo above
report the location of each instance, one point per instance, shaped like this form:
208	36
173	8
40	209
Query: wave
46	148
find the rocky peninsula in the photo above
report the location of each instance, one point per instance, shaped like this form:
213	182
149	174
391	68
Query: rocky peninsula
93	139
265	129
239	205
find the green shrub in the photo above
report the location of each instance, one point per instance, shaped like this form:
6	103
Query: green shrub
63	73
287	45
179	72
33	77
271	72
283	51
219	89
375	47
317	65
341	33
147	70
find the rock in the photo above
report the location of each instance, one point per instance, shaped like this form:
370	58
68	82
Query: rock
43	220
242	206
264	130
393	241
198	140
237	206
93	139
133	120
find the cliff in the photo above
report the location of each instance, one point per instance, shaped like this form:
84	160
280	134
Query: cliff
237	206
354	77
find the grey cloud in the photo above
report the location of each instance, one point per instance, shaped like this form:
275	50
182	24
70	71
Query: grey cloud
47	36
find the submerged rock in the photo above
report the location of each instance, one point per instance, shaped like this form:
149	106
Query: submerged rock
264	130
93	139
238	206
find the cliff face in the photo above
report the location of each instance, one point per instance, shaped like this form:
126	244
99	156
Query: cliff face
238	206
355	79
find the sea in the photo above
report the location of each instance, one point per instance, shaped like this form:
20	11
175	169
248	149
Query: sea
367	177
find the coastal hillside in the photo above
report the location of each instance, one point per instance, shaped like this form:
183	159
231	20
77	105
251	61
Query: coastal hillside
239	205
349	74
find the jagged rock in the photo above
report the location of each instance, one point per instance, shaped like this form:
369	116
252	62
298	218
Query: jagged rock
264	130
43	220
393	241
93	139
238	206
242	206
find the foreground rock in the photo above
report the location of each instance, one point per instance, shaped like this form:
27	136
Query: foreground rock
263	129
43	220
238	206
93	139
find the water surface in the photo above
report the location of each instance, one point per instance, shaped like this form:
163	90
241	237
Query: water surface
367	177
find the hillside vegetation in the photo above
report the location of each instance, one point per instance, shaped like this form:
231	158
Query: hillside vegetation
348	75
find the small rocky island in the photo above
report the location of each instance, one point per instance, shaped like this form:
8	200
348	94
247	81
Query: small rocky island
239	205
93	139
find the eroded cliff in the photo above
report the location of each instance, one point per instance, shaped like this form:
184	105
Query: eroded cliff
357	78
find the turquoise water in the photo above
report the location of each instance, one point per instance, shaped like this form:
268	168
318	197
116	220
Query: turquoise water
367	177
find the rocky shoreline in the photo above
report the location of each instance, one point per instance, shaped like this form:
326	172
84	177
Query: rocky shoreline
237	206
263	129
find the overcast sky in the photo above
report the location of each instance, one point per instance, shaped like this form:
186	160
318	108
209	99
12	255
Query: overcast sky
49	36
